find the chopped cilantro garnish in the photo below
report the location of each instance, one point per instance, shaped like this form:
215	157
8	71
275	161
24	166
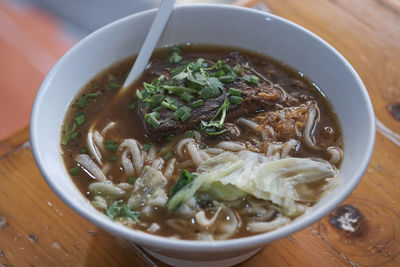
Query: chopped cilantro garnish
117	209
185	178
68	134
146	147
131	180
174	54
214	127
111	145
168	155
75	171
80	118
82	101
114	85
236	100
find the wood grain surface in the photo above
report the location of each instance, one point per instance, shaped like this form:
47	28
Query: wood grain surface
38	229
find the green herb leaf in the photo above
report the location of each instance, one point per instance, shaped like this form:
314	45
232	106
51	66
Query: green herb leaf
190	134
114	209
185	178
132	180
146	147
235	92
113	85
92	95
112	159
237	69
203	146
128	213
174	54
236	100
132	105
82	101
168	155
80	118
111	145
75	171
170	137
83	150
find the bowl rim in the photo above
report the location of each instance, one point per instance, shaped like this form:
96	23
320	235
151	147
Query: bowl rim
150	240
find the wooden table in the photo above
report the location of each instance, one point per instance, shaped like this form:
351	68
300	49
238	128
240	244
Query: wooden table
37	229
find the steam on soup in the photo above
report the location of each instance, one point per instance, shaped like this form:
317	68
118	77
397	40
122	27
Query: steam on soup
211	143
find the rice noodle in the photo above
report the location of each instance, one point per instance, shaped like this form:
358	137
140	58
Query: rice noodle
202	219
313	119
98	140
93	148
249	123
336	154
185	164
288	146
90	167
157	163
204	155
214	150
152	153
106	168
108	127
194	153
170	168
181	144
127	164
132	146
231	146
230	226
259	227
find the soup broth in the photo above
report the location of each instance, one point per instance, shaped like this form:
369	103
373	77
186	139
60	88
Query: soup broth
256	144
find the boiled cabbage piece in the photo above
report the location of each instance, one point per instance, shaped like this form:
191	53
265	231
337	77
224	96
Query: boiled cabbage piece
288	182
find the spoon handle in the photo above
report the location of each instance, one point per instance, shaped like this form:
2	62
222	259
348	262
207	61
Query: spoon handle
150	42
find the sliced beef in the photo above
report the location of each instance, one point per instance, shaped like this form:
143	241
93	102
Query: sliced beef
255	98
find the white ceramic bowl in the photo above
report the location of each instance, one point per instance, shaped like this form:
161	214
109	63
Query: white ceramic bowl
204	24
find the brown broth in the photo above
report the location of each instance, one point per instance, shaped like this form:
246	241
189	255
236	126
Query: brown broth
129	125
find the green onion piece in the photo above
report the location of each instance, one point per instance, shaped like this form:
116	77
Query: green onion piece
113	159
246	78
236	100
82	101
185	117
93	95
157	109
83	150
235	92
146	147
152	119
75	171
74	134
197	103
178	113
254	79
220	73
203	146
170	137
169	105
132	106
227	78
113	85
111	145
185	178
186	96
139	94
132	180
80	118
190	134
168	155
237	69
179	89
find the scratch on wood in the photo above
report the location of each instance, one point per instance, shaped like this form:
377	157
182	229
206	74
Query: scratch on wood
332	247
3	222
33	238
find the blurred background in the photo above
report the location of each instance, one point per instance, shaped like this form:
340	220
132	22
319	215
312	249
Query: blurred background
34	34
